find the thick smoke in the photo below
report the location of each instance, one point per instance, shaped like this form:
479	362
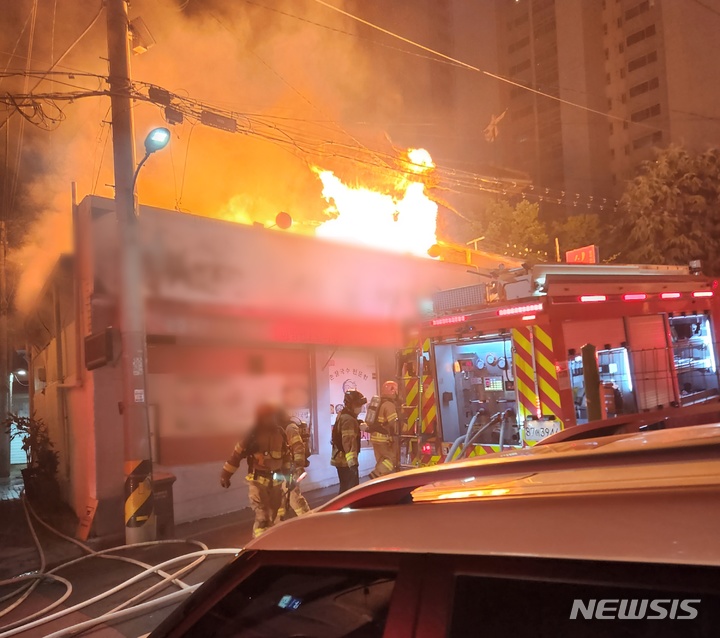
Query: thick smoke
327	87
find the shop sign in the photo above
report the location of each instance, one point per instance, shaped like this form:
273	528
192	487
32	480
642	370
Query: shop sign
584	255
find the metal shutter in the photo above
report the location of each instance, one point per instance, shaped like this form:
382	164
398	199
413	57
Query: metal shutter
653	374
599	333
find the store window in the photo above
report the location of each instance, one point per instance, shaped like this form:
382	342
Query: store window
205	397
694	356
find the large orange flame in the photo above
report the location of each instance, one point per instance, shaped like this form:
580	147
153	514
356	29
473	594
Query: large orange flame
404	222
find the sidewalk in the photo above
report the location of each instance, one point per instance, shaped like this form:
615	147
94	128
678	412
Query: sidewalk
19	555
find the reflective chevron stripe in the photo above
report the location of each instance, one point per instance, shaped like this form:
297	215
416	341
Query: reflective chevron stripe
545	366
138	493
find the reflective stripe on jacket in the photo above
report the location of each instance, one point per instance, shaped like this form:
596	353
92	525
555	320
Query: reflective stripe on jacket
349	430
297	446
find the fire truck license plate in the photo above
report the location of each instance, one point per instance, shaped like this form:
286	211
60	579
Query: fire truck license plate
541	431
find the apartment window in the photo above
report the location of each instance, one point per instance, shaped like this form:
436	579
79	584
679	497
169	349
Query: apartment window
546	54
539	5
521	66
622	72
639	36
611	128
614	179
647	140
619	22
621	47
612	153
644	114
643	60
607	54
542	28
516	46
607	78
644	87
635	11
605	31
609	103
521	113
623	98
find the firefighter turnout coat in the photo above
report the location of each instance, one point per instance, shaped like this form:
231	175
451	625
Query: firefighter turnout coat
267	452
345	440
297	445
384	438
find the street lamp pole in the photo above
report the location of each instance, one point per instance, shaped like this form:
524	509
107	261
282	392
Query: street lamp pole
140	523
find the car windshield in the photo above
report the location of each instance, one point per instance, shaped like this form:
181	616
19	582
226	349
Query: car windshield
313	602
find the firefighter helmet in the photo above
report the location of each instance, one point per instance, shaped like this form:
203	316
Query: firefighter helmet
390	388
354	399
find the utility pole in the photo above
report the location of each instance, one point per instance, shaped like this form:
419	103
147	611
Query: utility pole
4	354
139	509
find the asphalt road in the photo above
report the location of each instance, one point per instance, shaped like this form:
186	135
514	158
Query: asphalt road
94	576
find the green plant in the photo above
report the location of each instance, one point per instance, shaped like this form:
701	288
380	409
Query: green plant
42	459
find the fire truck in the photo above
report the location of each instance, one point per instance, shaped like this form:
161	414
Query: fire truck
541	349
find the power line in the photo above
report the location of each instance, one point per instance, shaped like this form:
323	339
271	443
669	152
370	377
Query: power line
709	8
297	92
21	132
315	149
17	43
470	67
352	35
65	53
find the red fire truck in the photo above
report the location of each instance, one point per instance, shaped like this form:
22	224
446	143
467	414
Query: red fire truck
500	365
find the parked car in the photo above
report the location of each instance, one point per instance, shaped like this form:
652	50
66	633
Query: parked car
610	537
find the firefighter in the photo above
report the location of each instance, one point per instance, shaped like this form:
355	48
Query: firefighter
346	440
268	457
294	497
384	435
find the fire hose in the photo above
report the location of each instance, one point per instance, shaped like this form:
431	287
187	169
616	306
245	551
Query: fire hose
120	612
466	440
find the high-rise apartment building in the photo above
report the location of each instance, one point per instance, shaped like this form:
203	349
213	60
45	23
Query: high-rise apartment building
662	77
647	65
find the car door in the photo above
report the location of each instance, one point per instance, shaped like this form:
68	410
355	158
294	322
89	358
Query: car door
521	597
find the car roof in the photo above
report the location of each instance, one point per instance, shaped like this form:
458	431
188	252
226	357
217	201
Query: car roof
653	497
628	424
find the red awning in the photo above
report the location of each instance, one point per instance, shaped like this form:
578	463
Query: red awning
237	324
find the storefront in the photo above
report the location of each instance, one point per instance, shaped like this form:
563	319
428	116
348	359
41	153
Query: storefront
235	315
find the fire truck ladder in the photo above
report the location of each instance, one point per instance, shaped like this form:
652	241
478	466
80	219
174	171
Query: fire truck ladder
411	377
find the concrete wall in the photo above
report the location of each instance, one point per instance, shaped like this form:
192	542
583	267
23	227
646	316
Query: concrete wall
689	32
90	438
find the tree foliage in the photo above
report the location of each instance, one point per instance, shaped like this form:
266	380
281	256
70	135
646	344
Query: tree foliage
670	212
578	231
517	229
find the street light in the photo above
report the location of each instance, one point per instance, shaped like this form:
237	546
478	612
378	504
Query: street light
156	140
139	508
